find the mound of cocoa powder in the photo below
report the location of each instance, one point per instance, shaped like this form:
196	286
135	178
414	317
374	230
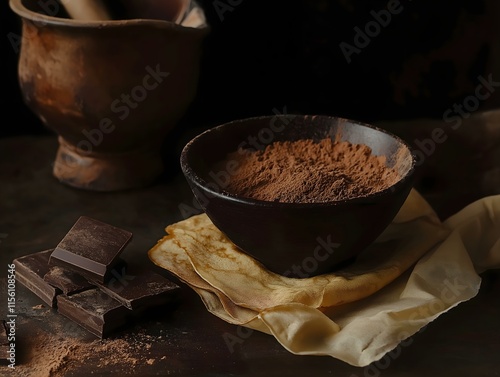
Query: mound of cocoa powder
306	171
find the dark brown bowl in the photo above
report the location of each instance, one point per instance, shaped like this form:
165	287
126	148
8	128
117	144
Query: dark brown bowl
295	239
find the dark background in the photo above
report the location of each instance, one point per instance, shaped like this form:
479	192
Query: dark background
262	55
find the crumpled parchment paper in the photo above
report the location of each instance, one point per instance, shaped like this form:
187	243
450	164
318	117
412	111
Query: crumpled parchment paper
418	269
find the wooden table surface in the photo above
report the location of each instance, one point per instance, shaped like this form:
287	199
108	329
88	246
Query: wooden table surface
35	213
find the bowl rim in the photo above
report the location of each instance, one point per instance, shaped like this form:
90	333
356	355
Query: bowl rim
22	11
193	177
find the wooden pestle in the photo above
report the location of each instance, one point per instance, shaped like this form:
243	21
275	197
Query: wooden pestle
86	10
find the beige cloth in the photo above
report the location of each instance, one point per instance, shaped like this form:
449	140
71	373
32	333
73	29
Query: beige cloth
417	269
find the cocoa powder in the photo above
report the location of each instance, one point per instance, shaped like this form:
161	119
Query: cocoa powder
59	353
305	171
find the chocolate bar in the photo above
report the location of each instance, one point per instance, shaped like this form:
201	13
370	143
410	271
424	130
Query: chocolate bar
91	248
94	310
30	270
68	282
140	289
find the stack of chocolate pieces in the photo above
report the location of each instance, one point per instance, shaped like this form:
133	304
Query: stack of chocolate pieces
87	281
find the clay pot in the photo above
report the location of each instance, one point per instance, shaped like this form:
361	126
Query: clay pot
112	90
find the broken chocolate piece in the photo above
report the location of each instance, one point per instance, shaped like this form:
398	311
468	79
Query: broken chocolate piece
94	310
67	281
140	289
91	248
30	270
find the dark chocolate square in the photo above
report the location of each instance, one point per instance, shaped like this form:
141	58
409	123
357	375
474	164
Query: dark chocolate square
91	248
94	310
30	270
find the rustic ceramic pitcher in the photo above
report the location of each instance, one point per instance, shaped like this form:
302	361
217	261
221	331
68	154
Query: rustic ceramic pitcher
112	90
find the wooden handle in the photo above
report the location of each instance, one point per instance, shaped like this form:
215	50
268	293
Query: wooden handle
86	10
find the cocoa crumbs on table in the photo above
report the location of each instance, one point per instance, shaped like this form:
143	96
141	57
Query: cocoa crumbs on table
58	354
